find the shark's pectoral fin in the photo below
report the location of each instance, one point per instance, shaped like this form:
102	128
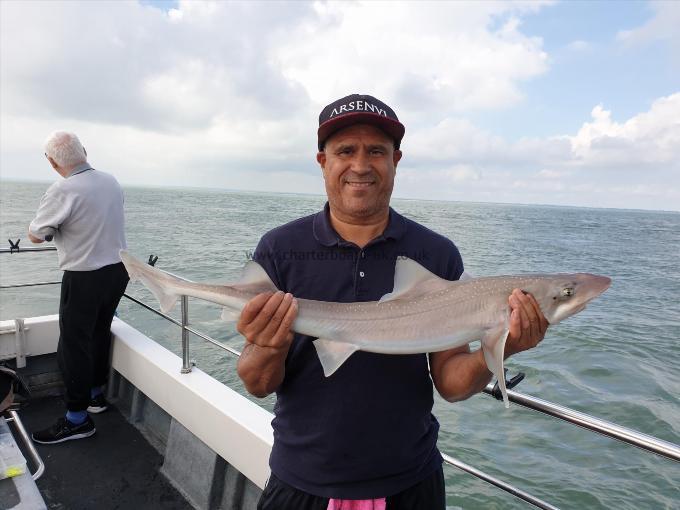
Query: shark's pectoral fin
166	299
493	346
168	302
332	354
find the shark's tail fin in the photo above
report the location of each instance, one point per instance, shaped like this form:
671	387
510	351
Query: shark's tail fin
157	281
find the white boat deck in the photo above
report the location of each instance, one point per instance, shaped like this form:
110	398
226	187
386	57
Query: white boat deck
213	443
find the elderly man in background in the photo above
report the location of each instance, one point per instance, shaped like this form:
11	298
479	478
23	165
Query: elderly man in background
365	437
83	212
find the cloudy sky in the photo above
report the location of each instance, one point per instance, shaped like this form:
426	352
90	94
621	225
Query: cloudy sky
570	103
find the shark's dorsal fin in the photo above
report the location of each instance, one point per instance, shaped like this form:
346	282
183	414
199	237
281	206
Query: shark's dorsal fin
254	276
411	279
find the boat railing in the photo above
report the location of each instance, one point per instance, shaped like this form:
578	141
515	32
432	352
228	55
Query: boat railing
20	430
645	442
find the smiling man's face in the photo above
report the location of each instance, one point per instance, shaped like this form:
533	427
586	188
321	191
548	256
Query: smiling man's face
359	164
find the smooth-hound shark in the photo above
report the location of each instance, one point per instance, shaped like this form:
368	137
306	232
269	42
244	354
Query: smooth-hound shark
423	313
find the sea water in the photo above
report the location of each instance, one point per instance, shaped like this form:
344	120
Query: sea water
617	360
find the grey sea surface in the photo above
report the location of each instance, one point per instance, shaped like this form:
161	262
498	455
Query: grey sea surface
618	360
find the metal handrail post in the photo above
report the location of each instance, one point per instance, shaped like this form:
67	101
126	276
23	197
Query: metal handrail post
186	362
26	439
20	342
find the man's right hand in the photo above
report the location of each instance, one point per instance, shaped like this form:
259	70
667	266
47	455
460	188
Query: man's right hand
266	322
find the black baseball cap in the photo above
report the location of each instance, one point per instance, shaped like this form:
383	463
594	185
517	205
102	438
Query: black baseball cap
359	109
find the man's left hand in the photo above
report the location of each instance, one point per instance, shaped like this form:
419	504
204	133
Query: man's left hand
527	323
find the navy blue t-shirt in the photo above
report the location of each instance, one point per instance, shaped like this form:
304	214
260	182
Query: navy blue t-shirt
367	431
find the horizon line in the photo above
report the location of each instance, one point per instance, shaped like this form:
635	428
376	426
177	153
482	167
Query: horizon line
240	190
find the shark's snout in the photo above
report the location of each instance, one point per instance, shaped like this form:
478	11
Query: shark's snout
594	285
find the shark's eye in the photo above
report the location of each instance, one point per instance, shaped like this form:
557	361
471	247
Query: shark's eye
567	292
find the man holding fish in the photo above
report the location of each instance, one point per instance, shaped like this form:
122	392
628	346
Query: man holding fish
364	437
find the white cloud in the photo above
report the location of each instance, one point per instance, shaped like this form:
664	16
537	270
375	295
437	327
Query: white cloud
635	163
232	79
550	174
429	56
125	63
454	139
227	94
650	138
663	26
175	15
579	45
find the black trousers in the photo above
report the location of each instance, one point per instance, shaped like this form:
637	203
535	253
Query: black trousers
87	304
429	494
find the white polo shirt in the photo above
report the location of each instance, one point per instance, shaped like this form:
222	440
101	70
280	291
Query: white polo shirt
84	213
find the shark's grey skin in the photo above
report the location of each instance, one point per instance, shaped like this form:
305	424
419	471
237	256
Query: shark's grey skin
423	313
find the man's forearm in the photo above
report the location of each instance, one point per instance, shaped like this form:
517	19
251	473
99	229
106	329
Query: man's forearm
462	375
261	369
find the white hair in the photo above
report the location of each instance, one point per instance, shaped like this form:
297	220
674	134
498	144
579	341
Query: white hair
65	149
